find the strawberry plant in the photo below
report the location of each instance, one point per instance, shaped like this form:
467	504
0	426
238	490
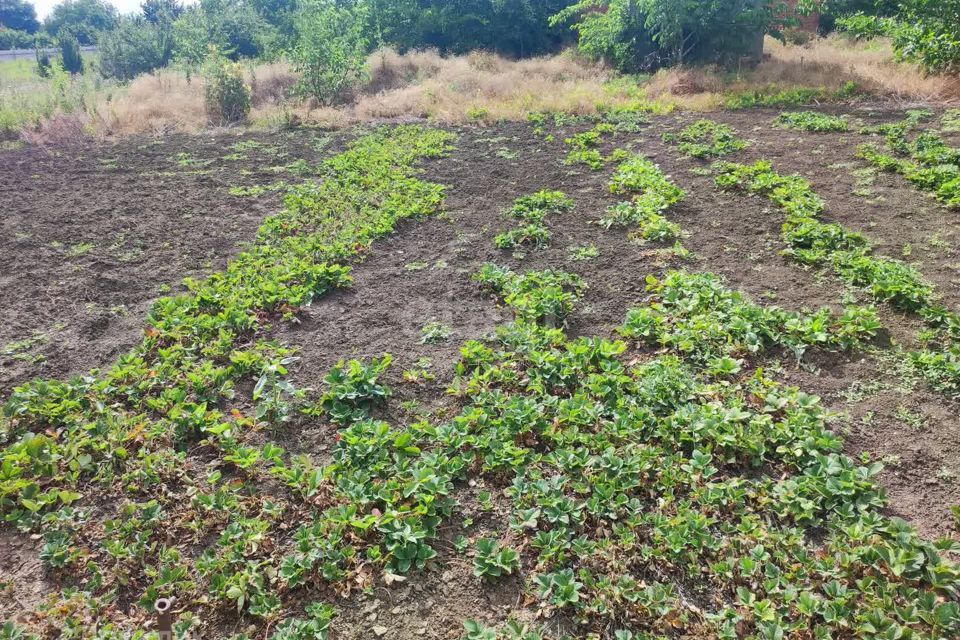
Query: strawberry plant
706	139
493	560
811	121
532	211
545	297
353	388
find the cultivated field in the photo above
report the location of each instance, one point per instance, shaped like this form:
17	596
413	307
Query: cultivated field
641	382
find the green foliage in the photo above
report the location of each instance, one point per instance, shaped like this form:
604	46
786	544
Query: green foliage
70	56
315	627
18	15
231	27
653	193
532	212
83	19
137	46
133	427
694	314
950	122
812	121
706	139
923	31
816	243
543	297
493	560
331	48
353	389
225	94
637	35
16	39
774	96
926	160
434	333
517	28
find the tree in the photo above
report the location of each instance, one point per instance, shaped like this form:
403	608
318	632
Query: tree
643	34
140	44
18	15
511	27
161	12
331	49
85	19
233	27
70	56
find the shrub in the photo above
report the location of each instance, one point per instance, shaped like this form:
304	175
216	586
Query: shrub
70	56
226	97
331	48
135	47
636	36
924	32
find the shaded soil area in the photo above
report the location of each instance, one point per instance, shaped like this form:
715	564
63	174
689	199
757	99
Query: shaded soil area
91	234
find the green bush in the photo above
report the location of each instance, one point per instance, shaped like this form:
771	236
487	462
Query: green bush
636	35
226	96
331	49
922	31
135	47
70	56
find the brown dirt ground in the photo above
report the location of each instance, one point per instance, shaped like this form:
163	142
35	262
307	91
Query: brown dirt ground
89	234
422	273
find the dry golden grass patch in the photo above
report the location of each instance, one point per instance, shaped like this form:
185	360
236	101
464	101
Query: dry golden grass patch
486	87
824	63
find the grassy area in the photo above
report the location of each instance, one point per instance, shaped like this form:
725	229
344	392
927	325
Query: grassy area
27	99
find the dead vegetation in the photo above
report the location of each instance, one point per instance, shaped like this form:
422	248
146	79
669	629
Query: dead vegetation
486	87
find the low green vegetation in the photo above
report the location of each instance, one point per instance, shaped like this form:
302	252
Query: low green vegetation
546	297
161	412
815	243
659	461
925	159
531	212
652	193
706	139
775	96
812	121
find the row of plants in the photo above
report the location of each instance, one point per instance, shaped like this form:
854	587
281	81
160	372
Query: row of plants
655	494
811	121
706	139
651	193
531	213
152	477
815	243
925	160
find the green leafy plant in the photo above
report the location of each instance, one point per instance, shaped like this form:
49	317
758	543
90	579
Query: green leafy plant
226	95
532	212
811	121
706	139
331	47
353	388
493	560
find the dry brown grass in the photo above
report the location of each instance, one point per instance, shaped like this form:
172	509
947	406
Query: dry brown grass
826	63
483	86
